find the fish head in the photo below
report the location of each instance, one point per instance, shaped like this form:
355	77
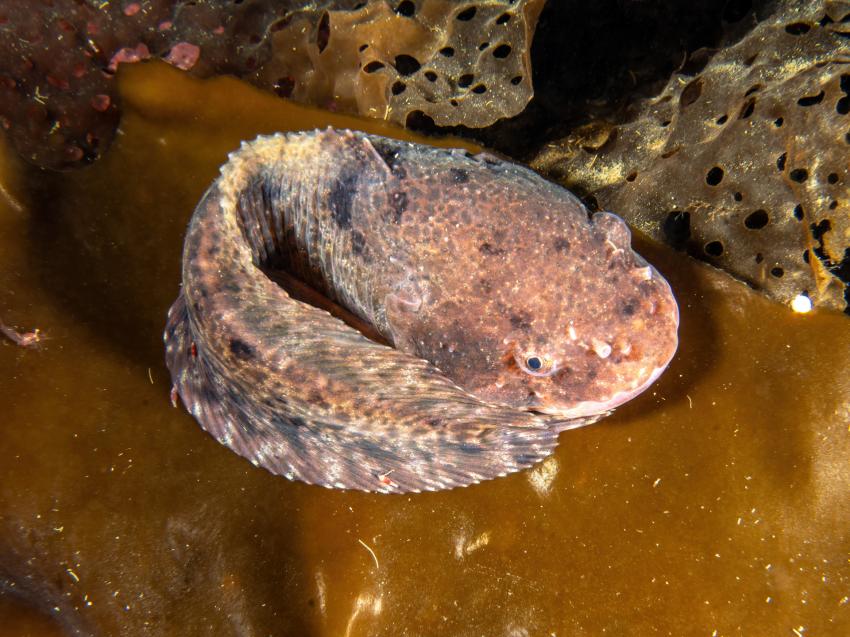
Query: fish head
570	325
611	336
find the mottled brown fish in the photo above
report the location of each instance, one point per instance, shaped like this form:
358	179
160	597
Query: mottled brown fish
364	313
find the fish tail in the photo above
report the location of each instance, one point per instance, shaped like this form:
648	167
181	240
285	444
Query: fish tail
332	455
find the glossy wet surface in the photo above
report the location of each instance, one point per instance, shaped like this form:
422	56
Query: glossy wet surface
716	501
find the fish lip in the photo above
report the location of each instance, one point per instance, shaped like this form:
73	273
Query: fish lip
597	407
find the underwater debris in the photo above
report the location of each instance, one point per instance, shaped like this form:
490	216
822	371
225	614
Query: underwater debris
744	164
23	339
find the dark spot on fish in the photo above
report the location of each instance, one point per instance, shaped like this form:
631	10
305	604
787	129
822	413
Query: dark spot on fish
485	285
358	149
470	449
398	204
341	198
390	153
489	249
459	176
434	422
387	149
427	455
629	308
317	399
373	449
525	457
562	245
358	242
296	421
193	252
562	375
276	402
521	321
213	250
295	375
231	286
241	349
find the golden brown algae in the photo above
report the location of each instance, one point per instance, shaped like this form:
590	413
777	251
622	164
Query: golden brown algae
507	314
713	502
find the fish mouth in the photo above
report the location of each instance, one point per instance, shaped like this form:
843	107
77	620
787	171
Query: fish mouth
564	412
588	408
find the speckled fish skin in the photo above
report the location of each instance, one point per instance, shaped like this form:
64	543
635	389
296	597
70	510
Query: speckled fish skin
512	315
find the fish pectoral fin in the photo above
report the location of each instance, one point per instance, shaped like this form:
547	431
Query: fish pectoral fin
402	308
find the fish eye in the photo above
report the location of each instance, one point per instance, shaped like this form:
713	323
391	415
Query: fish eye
535	364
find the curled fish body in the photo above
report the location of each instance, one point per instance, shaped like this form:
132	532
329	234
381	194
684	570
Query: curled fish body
363	313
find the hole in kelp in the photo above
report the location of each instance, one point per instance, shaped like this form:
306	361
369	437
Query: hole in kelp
677	228
713	248
714	176
757	220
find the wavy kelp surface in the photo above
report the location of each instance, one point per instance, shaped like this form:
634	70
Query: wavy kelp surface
714	502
